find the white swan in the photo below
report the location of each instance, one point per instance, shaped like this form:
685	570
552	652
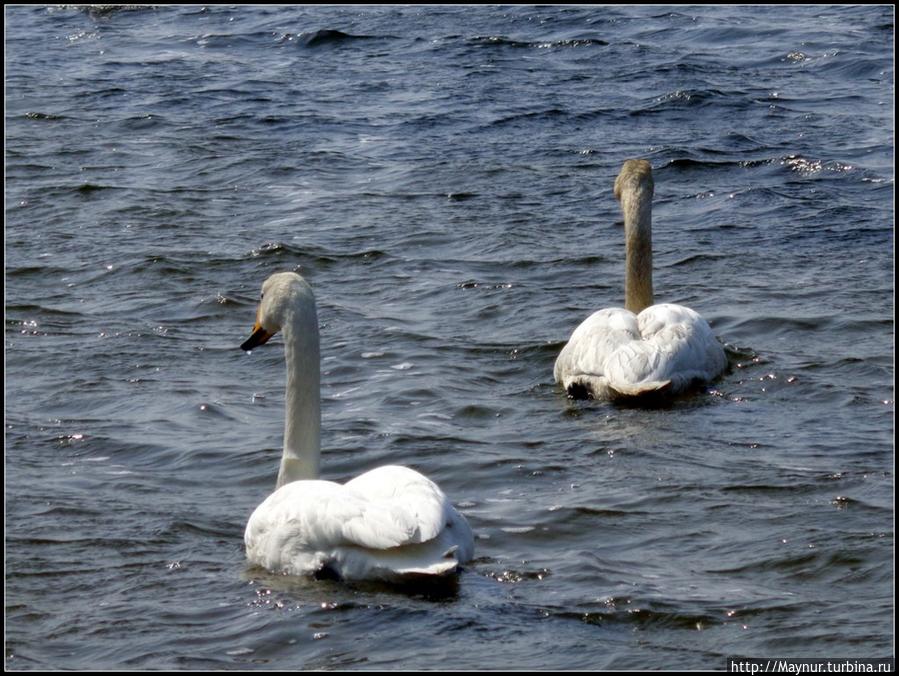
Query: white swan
385	524
642	348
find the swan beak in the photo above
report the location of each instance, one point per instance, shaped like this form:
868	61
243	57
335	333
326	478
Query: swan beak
259	337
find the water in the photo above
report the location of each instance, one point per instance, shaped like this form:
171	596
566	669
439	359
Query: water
443	176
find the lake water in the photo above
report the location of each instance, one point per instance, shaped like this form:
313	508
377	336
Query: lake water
442	176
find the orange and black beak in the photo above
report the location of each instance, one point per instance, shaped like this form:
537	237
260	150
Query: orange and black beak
259	337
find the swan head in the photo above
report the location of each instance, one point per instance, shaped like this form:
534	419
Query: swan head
635	177
285	298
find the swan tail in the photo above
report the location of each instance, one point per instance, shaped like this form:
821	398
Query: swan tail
430	559
437	568
639	389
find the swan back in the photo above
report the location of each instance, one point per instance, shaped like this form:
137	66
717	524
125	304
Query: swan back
615	353
386	523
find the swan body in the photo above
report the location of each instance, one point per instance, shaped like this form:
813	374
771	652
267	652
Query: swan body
640	349
387	523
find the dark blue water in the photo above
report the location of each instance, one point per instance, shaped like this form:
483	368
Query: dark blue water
443	176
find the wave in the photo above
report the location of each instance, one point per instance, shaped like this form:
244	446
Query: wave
34	115
502	41
548	114
322	37
318	254
697	258
690	99
104	11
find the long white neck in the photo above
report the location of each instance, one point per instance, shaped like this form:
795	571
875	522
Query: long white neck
302	414
636	205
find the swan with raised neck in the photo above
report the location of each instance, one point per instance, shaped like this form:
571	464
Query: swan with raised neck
640	349
387	523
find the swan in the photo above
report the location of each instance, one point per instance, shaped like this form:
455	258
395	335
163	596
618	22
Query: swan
642	348
386	524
